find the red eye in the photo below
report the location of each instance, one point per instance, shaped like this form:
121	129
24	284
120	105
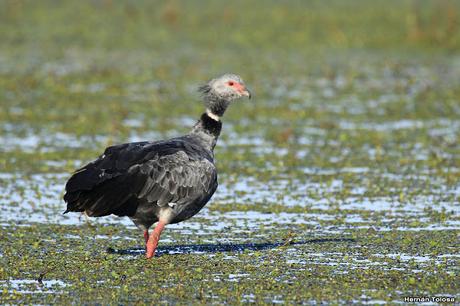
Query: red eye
231	83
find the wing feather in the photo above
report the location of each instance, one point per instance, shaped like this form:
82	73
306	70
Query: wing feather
159	173
177	178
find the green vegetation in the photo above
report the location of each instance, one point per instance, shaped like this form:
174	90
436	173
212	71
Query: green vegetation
343	170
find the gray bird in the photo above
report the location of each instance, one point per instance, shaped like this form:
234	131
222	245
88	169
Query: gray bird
163	182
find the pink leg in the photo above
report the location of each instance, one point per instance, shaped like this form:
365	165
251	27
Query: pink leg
146	237
153	239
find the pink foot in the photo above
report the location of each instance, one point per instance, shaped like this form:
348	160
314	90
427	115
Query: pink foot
152	242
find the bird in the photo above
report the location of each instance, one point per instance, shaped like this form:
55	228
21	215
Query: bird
158	182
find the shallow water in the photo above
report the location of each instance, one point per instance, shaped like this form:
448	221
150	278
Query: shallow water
338	183
307	188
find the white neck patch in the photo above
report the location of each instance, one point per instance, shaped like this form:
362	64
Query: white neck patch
212	115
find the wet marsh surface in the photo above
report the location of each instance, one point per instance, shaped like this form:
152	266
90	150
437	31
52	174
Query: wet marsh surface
339	181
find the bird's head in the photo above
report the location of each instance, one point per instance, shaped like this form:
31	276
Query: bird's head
220	92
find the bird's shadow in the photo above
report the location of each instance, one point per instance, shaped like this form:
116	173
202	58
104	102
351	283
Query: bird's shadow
219	248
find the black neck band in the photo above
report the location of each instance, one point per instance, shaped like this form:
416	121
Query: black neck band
210	125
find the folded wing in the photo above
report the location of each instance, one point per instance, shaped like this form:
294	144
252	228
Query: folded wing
159	173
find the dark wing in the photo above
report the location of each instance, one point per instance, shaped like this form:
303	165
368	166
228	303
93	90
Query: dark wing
161	173
176	178
109	165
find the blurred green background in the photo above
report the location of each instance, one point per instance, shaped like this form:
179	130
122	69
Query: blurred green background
220	25
62	60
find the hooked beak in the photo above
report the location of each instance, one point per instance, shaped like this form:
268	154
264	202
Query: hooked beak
245	92
242	90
